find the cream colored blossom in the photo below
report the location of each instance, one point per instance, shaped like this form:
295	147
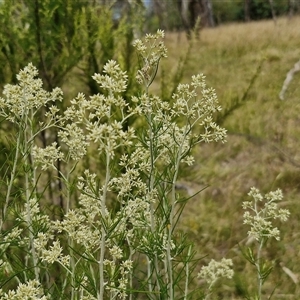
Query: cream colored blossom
114	79
30	290
75	139
27	97
216	270
150	51
52	255
47	157
260	213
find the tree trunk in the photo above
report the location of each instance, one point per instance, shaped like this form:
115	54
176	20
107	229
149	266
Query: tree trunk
160	11
191	10
291	8
247	10
209	12
185	13
273	11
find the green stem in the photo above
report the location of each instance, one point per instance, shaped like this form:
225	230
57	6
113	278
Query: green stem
103	230
72	266
28	132
186	290
131	272
258	264
152	208
12	178
172	215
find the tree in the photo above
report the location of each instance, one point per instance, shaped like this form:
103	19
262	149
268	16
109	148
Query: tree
47	33
273	10
191	10
247	10
159	8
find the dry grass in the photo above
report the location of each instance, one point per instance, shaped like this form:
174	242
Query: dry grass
262	148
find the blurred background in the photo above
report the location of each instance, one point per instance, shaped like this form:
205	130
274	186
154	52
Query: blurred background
57	35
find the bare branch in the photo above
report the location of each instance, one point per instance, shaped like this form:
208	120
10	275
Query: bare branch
289	78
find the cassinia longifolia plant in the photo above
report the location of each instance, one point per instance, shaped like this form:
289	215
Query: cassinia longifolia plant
96	249
259	215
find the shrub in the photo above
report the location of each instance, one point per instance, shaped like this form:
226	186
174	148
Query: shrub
94	249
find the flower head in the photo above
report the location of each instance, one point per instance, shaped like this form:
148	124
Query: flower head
260	213
150	51
216	270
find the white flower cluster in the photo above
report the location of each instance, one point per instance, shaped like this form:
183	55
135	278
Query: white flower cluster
47	157
150	51
80	228
123	268
114	80
75	139
37	218
216	270
25	99
260	213
30	290
14	236
199	111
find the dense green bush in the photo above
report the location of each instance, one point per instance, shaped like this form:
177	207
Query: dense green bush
228	11
233	11
59	36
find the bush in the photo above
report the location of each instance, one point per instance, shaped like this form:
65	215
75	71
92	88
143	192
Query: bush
94	249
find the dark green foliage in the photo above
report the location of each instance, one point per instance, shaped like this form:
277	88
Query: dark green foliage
58	36
46	33
232	11
260	9
226	11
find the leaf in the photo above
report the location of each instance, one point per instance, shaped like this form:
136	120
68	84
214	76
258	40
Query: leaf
265	272
248	254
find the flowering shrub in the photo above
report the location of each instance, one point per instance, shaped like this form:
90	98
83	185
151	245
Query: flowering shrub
95	248
259	215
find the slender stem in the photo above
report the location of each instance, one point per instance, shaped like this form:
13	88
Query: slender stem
72	267
103	231
103	212
152	209
131	272
28	132
12	178
59	179
186	289
151	178
258	267
63	288
172	215
209	291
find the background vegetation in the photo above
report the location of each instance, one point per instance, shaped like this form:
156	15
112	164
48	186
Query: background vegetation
245	62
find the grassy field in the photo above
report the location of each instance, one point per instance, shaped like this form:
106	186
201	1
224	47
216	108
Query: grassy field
262	148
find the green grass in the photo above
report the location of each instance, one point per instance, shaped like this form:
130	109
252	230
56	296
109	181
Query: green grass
262	148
